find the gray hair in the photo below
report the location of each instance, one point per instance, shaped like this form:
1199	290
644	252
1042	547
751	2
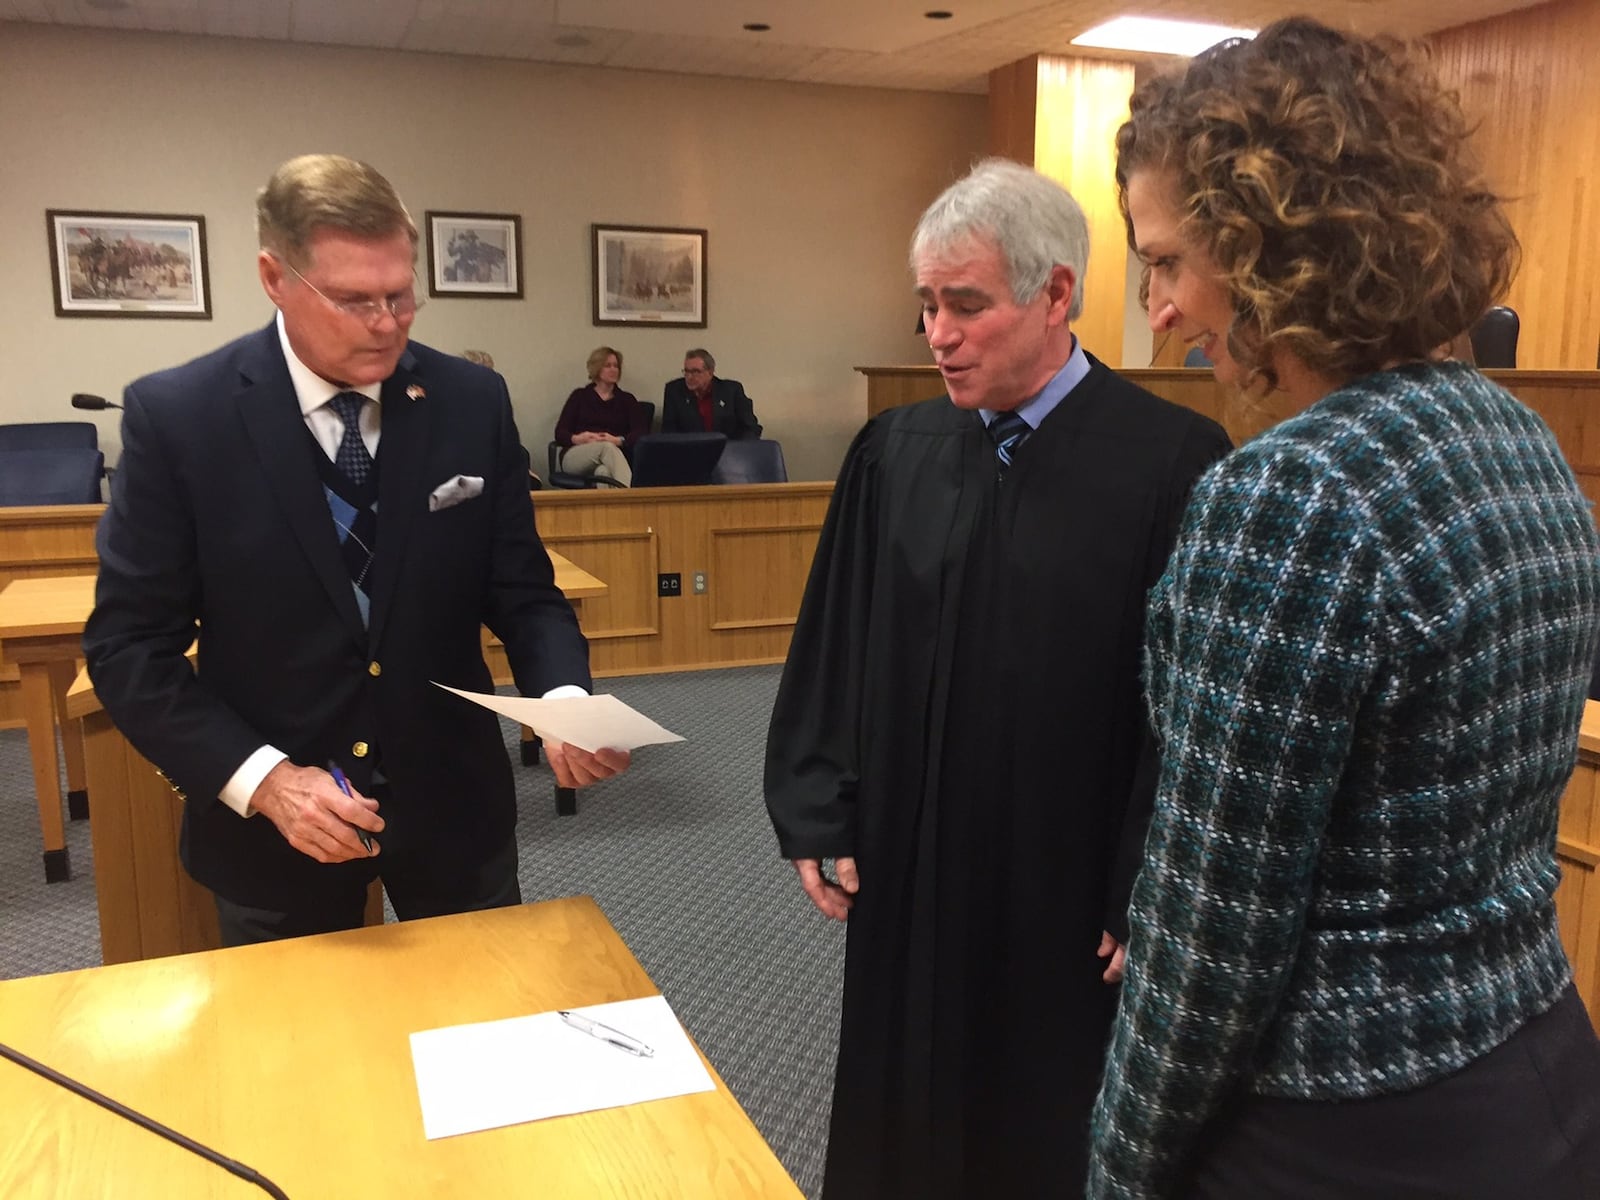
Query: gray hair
705	357
1033	220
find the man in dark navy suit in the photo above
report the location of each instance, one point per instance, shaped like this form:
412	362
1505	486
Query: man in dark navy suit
333	510
702	403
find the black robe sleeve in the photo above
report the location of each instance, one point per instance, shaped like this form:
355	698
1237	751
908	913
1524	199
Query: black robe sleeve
813	743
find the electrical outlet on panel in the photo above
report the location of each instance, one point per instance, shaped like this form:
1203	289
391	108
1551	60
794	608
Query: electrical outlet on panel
699	583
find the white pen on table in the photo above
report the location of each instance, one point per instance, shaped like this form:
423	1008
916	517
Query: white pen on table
606	1034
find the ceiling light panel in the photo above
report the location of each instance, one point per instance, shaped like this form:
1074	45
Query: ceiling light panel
1153	35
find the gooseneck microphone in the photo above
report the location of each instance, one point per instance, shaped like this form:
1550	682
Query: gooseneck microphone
139	1119
91	402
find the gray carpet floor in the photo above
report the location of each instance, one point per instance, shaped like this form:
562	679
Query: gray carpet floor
678	853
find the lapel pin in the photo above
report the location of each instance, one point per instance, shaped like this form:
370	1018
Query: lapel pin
416	391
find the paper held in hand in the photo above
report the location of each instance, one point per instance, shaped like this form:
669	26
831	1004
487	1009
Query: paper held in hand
587	722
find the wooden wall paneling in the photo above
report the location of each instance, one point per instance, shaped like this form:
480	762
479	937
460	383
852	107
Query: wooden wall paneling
631	629
762	569
1081	104
890	387
1527	81
627	555
1073	107
1013	98
48	540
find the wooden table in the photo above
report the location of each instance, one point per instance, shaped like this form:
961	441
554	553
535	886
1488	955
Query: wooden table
312	1084
41	631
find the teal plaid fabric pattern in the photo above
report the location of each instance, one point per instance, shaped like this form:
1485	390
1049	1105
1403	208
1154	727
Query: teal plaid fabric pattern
1366	663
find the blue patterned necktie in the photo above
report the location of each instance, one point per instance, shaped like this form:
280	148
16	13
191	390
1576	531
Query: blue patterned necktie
1009	431
353	458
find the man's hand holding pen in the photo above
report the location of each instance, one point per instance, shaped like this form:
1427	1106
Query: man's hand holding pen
314	815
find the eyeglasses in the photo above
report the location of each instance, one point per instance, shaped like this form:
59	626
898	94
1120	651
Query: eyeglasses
696	371
370	312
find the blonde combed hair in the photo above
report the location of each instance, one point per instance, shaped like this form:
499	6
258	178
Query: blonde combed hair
326	191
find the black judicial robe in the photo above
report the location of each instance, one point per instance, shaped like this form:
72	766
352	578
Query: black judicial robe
962	712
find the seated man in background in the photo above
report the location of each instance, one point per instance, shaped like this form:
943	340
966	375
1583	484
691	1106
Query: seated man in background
600	423
702	403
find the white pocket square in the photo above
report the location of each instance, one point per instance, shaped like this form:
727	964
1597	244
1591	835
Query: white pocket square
454	490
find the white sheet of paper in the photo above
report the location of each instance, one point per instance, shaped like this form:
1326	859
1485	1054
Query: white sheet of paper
588	722
495	1073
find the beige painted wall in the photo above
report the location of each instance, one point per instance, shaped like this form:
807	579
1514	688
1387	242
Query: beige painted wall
808	193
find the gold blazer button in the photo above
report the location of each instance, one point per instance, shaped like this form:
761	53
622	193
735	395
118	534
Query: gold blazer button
360	749
374	668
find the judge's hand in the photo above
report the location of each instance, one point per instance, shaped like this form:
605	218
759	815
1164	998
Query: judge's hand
1118	952
832	899
577	768
587	436
314	816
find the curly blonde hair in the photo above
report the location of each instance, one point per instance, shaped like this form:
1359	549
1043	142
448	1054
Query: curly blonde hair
1329	178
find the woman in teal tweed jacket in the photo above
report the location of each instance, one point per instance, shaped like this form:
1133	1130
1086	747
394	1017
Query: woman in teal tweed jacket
1367	662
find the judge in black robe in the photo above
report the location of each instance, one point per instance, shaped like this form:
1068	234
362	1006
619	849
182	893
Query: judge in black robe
961	715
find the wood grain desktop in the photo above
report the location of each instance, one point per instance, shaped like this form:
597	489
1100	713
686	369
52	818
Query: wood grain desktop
294	1058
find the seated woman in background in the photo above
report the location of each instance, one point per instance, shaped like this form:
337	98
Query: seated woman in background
600	423
1366	667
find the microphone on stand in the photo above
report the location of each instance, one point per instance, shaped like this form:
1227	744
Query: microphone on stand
93	403
232	1166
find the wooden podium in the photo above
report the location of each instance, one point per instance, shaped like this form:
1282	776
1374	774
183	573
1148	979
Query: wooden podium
149	906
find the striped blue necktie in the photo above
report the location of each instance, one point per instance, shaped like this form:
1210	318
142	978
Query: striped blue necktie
1009	431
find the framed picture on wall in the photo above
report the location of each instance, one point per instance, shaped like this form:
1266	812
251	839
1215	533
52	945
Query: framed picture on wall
475	254
110	264
647	275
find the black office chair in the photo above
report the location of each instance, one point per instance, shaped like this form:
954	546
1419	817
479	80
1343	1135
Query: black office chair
50	476
751	460
1494	338
1197	358
558	478
50	435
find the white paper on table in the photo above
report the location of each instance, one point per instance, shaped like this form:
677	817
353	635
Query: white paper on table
495	1073
588	722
